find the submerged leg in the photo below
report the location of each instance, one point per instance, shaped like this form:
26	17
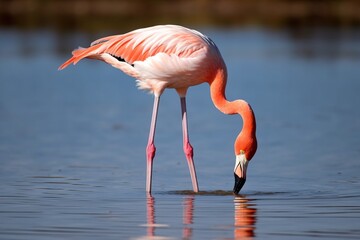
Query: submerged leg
150	149
188	149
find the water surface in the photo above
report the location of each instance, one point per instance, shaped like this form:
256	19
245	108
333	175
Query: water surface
72	143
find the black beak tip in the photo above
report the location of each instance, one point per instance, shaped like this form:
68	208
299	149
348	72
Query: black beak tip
239	183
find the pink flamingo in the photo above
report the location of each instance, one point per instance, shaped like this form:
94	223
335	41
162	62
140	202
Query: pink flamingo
170	56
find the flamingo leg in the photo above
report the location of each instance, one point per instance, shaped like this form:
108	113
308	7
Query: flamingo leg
150	149
188	149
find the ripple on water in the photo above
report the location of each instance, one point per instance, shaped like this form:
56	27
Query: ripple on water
226	193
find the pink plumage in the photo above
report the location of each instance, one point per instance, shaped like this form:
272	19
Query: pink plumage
158	57
170	56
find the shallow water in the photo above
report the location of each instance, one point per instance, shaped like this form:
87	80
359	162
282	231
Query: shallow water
72	143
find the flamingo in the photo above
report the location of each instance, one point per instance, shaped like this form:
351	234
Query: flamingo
172	56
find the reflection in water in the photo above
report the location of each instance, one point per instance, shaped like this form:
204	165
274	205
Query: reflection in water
244	218
188	213
150	216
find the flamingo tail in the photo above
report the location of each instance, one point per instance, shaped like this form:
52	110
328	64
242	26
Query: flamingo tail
79	54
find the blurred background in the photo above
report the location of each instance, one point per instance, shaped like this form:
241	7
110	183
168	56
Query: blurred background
92	15
298	19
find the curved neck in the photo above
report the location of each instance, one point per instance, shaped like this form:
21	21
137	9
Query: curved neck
246	140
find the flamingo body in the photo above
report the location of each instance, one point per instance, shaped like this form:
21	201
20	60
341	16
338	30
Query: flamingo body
158	57
170	56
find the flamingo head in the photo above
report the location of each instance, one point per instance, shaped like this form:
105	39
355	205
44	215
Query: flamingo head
245	148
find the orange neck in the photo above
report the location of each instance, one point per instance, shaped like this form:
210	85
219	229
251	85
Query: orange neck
246	140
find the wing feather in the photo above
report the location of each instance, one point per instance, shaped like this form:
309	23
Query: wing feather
142	44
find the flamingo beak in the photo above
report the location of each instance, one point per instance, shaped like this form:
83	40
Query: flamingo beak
240	172
239	183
